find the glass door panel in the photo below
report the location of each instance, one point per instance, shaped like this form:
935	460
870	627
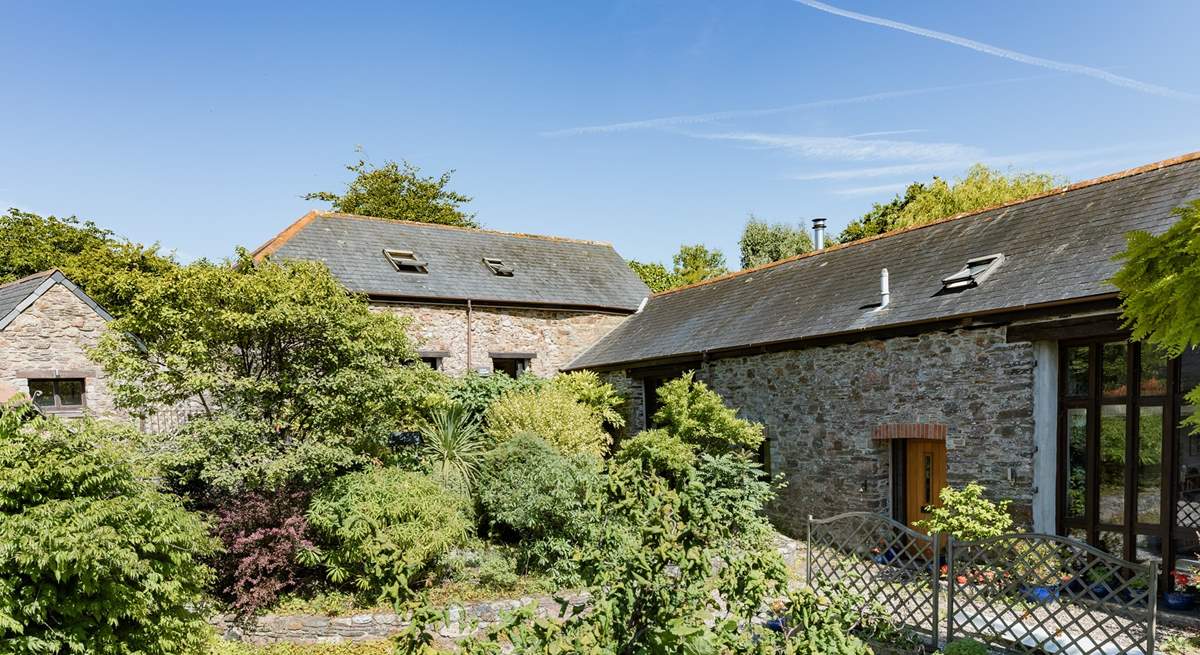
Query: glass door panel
1077	464
1149	467
1111	505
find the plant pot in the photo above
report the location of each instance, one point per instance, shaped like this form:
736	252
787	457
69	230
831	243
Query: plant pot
1179	601
886	557
1039	594
1101	590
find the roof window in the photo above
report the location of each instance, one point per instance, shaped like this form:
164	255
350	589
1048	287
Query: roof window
973	274
405	261
498	267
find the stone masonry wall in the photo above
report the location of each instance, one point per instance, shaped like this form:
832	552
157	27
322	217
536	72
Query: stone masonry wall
555	336
55	332
821	406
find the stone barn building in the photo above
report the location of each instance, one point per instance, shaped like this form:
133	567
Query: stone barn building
479	300
47	326
985	347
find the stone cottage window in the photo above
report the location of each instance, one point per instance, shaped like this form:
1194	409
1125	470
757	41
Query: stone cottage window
58	395
511	364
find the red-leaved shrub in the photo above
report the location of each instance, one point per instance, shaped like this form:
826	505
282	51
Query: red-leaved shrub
262	533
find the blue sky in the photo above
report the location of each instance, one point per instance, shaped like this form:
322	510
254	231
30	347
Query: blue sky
647	124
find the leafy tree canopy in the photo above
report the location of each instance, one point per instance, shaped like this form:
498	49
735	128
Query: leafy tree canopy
1160	287
696	263
654	275
109	269
399	191
93	557
698	416
763	243
924	203
296	378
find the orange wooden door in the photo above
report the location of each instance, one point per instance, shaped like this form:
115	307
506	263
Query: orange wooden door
925	475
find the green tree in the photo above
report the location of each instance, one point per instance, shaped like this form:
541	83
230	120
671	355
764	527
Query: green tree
691	411
298	380
399	191
763	243
654	275
696	263
1159	284
93	557
109	269
925	203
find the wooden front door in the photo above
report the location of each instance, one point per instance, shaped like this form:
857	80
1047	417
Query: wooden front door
924	477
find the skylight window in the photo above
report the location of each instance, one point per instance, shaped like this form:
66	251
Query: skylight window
973	274
498	267
405	261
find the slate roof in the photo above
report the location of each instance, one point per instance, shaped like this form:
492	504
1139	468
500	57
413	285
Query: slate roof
548	271
16	296
1057	248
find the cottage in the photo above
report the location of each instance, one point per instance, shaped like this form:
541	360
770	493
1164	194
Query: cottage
983	347
480	300
47	326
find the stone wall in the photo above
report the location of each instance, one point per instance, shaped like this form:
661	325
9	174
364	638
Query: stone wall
822	405
556	336
55	333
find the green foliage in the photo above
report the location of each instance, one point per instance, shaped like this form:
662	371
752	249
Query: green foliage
384	528
966	647
453	446
661	452
93	557
1160	288
476	392
967	515
697	415
654	275
218	646
883	217
665	559
819	624
399	191
924	203
109	269
551	413
696	263
600	397
532	494
763	243
298	379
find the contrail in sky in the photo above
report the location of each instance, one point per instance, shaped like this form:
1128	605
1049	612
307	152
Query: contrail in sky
1007	54
696	119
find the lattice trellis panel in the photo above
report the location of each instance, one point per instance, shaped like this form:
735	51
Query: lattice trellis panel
1048	594
890	566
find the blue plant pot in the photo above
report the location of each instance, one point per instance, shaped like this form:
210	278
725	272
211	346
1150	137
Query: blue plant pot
774	625
1101	590
1179	601
1040	594
885	557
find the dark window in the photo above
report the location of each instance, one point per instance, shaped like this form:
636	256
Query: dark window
498	267
510	366
650	388
57	394
405	261
434	363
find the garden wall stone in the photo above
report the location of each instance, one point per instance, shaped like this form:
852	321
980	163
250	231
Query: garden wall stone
55	333
556	336
466	619
822	405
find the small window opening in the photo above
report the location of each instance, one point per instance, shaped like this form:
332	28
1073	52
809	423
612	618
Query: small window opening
972	275
57	395
405	261
434	363
513	367
498	267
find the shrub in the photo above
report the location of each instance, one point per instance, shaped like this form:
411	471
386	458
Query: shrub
966	647
263	534
967	515
93	557
530	492
696	414
381	529
661	452
599	396
476	392
552	414
453	446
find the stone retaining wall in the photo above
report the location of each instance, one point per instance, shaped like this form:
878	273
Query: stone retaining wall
466	619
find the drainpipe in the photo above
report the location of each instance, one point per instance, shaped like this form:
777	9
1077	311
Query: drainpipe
470	329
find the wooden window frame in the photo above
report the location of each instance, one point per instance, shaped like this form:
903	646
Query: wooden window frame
58	408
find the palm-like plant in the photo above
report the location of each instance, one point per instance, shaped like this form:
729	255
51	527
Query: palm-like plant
453	445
